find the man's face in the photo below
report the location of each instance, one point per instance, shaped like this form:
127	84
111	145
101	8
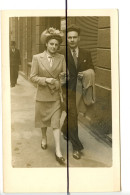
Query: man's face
73	39
52	46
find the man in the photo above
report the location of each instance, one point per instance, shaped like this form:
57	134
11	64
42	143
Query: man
78	60
14	63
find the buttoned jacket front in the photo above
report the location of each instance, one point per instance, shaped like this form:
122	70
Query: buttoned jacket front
41	70
84	63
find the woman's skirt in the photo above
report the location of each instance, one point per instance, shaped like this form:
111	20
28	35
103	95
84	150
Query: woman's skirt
47	114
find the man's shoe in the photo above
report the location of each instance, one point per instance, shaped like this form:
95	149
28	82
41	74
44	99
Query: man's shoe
76	154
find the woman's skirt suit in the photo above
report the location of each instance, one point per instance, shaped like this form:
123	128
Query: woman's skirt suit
48	103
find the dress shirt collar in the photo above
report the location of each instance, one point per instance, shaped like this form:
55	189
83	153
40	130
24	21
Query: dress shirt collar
49	55
50	58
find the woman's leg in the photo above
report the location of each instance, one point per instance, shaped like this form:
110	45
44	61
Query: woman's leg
57	135
44	138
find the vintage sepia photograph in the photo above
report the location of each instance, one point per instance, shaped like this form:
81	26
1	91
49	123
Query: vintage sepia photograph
39	121
62	81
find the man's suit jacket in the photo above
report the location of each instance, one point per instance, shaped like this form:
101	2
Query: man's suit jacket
41	70
15	58
84	63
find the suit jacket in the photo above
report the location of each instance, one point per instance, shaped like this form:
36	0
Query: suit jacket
41	70
84	63
15	58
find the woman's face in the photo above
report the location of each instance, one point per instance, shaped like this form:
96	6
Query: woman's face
52	46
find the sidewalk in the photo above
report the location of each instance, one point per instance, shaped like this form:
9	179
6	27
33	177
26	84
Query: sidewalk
26	139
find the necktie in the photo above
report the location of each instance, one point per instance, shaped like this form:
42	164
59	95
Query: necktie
50	60
75	57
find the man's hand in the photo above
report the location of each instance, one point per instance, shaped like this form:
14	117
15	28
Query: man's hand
50	80
80	75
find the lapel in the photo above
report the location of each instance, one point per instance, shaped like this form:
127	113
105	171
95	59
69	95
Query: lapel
81	59
57	66
71	62
44	61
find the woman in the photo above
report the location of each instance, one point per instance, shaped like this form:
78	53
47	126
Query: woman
46	68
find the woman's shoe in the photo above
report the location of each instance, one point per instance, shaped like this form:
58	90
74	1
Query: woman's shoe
61	160
43	146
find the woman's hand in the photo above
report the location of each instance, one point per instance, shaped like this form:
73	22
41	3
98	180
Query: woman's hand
62	74
62	77
50	80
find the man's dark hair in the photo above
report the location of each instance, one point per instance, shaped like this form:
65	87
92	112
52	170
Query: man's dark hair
73	27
